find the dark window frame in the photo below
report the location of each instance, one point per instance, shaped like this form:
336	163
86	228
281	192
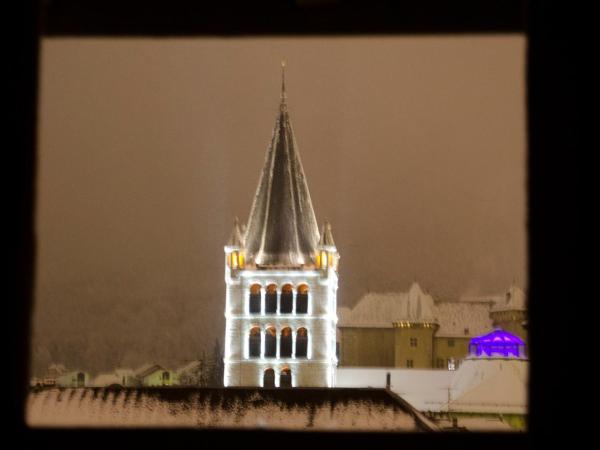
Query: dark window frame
549	136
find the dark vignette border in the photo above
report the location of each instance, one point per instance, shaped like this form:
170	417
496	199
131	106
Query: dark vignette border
552	215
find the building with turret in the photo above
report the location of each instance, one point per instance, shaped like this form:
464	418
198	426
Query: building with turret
412	330
281	275
510	312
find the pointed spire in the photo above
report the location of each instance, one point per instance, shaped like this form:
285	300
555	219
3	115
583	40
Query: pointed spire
235	238
283	105
326	235
282	228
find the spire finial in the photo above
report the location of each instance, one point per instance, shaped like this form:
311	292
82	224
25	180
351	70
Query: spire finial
283	94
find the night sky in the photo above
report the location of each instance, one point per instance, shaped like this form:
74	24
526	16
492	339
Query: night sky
413	148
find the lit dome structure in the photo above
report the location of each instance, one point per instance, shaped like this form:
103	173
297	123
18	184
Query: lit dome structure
497	343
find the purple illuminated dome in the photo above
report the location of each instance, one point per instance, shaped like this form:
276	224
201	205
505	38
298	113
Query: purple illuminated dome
498	342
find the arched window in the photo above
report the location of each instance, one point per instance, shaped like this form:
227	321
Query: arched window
255	299
302	299
269	378
301	343
285	378
271	343
80	379
271	299
254	343
285	345
165	377
287	299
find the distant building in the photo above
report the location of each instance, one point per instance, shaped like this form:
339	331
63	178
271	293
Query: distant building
73	379
282	280
510	313
411	330
155	375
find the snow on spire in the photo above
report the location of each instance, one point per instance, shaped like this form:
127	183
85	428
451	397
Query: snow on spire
326	235
236	238
282	228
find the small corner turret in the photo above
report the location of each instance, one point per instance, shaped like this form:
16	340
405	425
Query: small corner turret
327	255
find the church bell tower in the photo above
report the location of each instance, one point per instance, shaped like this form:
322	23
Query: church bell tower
282	278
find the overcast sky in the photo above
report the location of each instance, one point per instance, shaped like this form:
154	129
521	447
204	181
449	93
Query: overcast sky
413	149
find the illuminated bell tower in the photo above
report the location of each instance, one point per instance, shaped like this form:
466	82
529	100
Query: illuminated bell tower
282	279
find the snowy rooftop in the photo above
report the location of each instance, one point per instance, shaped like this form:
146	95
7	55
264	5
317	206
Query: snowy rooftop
488	385
148	369
288	409
463	319
514	300
380	310
425	389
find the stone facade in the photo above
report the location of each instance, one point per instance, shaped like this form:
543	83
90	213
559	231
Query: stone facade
314	370
447	349
371	347
413	344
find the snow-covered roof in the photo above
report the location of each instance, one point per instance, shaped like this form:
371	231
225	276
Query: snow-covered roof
316	409
326	236
148	369
425	389
514	300
490	385
236	238
458	319
492	298
382	309
55	370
